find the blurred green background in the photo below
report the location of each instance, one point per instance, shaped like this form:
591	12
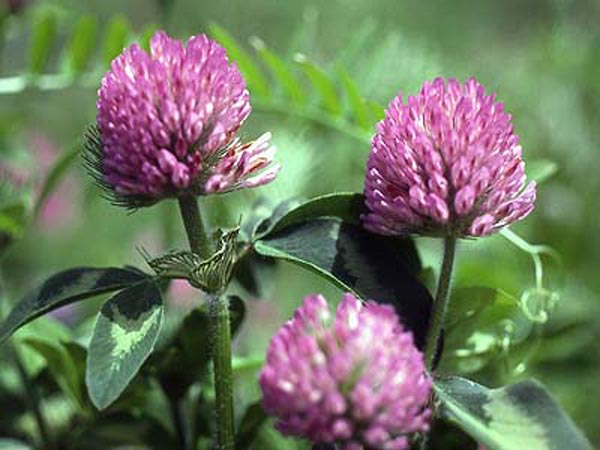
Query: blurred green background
542	58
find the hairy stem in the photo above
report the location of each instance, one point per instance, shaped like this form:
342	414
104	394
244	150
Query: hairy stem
194	226
440	305
219	316
219	312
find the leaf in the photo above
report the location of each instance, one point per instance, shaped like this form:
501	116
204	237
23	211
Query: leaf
13	218
519	416
59	169
481	323
66	363
68	287
146	35
358	106
323	85
347	206
257	83
373	267
253	420
115	38
42	39
237	313
541	170
82	44
185	358
126	330
283	73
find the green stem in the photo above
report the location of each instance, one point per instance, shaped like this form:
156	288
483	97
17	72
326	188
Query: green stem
178	423
219	316
219	310
194	226
440	305
33	400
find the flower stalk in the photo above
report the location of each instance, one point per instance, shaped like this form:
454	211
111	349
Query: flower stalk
440	305
219	315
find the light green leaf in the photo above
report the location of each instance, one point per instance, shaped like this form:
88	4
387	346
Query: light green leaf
283	73
67	287
66	363
358	105
13	218
55	175
518	416
115	38
42	39
146	35
541	170
481	323
126	330
82	44
323	85
257	83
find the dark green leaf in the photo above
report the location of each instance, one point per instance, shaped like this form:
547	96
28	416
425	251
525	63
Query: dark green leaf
42	40
253	420
115	39
518	416
264	216
67	287
257	83
282	72
186	357
481	323
255	273
323	85
82	45
237	313
374	267
347	206
126	330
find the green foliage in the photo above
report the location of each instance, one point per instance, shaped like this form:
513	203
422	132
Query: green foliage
522	415
66	363
482	323
64	288
83	41
115	38
126	330
371	266
42	40
257	82
251	422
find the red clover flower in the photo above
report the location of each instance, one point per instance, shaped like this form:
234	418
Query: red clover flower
167	124
355	379
446	162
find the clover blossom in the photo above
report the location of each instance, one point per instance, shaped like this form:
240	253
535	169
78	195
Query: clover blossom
446	162
355	378
167	124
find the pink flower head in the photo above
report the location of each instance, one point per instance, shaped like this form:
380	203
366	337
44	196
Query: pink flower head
168	120
446	162
355	379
